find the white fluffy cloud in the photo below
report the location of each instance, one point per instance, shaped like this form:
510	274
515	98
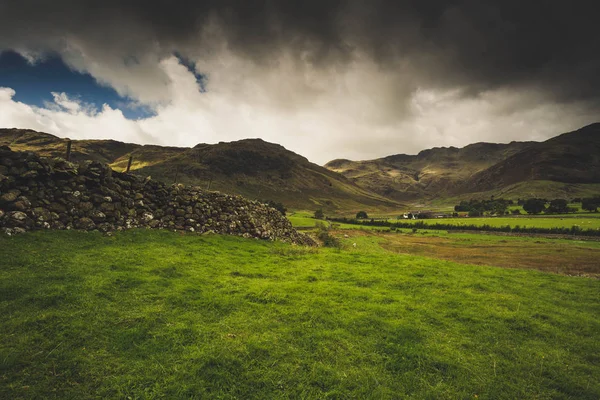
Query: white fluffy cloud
356	112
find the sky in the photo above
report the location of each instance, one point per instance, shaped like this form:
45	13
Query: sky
326	79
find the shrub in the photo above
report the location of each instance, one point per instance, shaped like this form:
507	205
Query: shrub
362	215
319	214
326	238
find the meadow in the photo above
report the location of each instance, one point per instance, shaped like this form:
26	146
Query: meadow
156	314
305	220
584	222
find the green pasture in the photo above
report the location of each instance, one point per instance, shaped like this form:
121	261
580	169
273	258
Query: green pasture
160	315
530	222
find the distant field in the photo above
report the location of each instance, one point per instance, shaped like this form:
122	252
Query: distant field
305	222
563	256
450	209
155	314
531	222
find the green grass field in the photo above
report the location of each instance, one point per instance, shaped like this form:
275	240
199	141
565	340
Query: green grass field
310	223
154	314
303	220
531	222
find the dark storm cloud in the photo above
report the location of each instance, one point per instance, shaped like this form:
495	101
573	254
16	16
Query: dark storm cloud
363	79
479	45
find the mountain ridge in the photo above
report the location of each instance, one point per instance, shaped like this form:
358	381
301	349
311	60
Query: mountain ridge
482	167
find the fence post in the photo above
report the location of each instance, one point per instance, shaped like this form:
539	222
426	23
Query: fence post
68	150
129	164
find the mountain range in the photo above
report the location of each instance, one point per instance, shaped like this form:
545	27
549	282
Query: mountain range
565	166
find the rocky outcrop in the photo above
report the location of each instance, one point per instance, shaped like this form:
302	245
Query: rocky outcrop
51	193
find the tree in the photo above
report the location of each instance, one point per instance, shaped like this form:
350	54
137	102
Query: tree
499	208
361	215
534	206
463	206
590	204
319	214
558	206
516	211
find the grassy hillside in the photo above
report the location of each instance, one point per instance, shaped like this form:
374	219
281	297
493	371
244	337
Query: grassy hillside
572	158
153	314
252	168
262	170
430	173
526	190
105	151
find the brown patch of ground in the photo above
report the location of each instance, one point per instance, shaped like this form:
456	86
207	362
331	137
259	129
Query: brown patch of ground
559	257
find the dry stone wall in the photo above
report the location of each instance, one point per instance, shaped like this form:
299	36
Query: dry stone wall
52	193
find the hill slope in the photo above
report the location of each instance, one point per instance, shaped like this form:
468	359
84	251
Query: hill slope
253	168
571	158
434	171
564	165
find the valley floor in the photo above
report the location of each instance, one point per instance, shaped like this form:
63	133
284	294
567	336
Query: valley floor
155	314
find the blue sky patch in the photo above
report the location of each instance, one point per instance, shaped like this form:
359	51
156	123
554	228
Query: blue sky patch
191	66
33	84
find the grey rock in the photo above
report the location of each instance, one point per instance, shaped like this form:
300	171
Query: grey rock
147	217
10	196
85	224
23	204
97	216
17	215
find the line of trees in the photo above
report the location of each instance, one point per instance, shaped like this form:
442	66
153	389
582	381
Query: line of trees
574	230
534	206
476	208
